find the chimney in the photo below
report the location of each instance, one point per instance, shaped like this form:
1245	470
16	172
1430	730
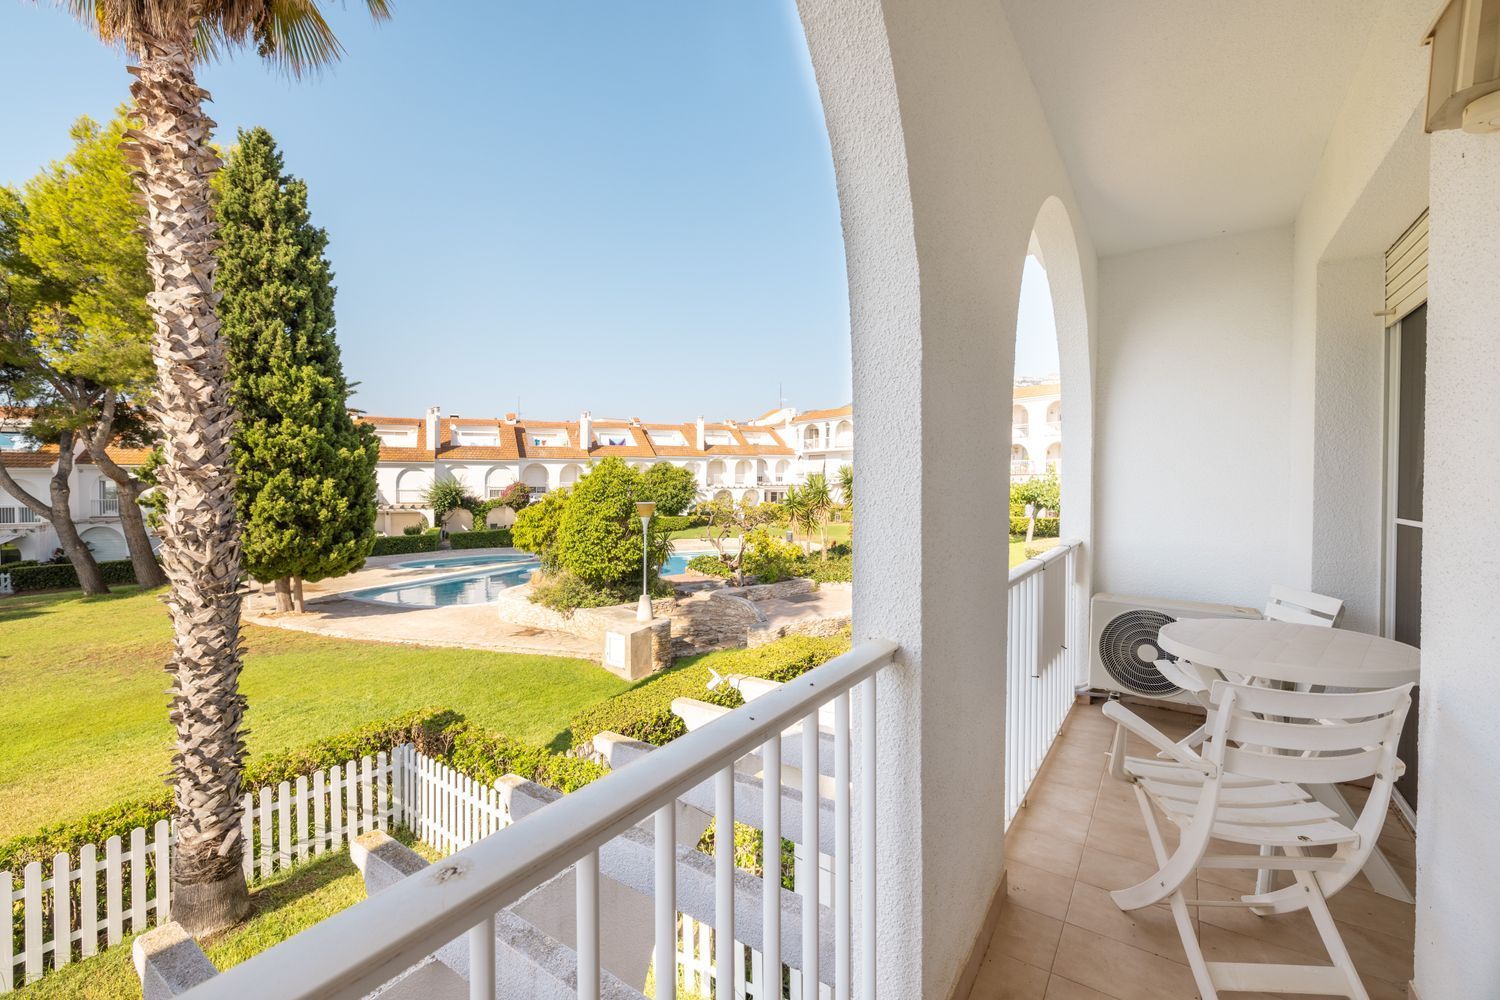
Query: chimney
432	428
700	443
511	418
585	430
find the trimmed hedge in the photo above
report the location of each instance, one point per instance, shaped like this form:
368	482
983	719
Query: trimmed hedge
491	538
119	820
439	733
680	522
1046	527
645	711
710	565
392	545
62	576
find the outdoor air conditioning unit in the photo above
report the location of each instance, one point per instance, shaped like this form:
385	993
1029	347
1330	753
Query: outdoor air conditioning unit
1123	639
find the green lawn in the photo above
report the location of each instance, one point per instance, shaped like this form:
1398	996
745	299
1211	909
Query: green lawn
1018	548
83	718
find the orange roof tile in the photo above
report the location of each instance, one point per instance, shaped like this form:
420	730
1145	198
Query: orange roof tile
838	411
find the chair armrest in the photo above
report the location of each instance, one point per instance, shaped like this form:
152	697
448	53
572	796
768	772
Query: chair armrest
1127	719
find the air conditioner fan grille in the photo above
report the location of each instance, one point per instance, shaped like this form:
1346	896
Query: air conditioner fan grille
1129	647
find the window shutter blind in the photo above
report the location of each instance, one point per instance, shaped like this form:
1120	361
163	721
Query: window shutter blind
1406	271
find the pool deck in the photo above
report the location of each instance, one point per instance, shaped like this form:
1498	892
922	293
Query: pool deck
331	612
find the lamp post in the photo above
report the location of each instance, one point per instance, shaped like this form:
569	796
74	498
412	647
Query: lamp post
644	511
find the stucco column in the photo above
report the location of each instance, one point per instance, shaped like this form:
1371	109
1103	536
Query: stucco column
943	159
1458	869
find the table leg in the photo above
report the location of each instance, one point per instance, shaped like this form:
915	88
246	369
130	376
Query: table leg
1383	878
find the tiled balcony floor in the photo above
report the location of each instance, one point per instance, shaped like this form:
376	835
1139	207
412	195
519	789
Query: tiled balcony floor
1061	937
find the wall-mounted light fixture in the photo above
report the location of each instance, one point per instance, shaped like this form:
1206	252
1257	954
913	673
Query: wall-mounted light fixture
1463	89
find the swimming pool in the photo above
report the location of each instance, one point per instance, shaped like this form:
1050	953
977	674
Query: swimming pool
677	562
445	561
479	587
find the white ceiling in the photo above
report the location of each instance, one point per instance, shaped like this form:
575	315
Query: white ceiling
1184	119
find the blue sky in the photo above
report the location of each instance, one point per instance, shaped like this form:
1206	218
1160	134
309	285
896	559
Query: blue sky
628	208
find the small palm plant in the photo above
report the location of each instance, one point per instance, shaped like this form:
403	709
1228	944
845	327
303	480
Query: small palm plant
174	165
820	501
846	492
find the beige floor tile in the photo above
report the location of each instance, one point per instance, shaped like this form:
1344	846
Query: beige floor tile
1150	928
1112	871
1037	890
1367	908
1042	850
1059	988
1051	820
1119	970
1026	936
1004	978
1063	797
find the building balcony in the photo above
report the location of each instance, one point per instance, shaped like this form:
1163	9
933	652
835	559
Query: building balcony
104	507
1079	835
17	516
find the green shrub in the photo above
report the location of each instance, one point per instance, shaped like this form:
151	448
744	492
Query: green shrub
61	576
1046	527
414	529
392	545
566	593
486	757
671	487
770	559
119	820
536	527
1044	491
645	711
711	565
680	522
488	539
599	535
834	569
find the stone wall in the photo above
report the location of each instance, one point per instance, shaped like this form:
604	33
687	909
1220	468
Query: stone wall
759	635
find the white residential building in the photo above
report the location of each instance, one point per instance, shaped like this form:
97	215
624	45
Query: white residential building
753	459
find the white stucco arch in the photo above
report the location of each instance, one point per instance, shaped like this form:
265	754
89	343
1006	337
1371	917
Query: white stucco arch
1019	417
569	475
812	437
843	434
750	496
945	164
105	543
716	473
781	469
411	485
497	477
744	472
535	474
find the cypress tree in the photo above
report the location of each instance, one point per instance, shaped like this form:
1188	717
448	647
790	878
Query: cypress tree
305	489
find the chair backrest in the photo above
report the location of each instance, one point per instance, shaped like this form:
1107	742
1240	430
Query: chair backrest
1307	737
1303	607
1314	738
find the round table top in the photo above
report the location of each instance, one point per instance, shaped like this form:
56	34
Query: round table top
1295	654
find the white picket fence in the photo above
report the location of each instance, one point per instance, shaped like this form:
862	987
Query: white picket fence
93	901
695	968
283	826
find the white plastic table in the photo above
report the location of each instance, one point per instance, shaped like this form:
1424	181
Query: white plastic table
1240	649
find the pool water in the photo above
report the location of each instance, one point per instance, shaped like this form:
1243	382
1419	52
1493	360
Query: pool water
442	592
446	561
678	562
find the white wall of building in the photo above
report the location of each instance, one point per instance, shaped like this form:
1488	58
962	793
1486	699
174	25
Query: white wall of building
943	159
1192	427
1458	868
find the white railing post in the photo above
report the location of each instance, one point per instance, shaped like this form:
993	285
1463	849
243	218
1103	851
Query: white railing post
724	949
482	960
771	865
586	874
810	843
666	901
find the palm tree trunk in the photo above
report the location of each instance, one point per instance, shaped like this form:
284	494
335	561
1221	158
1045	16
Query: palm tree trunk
200	541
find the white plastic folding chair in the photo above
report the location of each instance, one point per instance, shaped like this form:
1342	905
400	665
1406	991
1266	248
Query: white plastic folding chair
1303	607
1245	787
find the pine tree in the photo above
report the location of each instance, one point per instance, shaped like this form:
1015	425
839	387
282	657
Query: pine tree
305	490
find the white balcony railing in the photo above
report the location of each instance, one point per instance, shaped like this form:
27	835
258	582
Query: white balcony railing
356	951
105	506
19	515
1046	615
